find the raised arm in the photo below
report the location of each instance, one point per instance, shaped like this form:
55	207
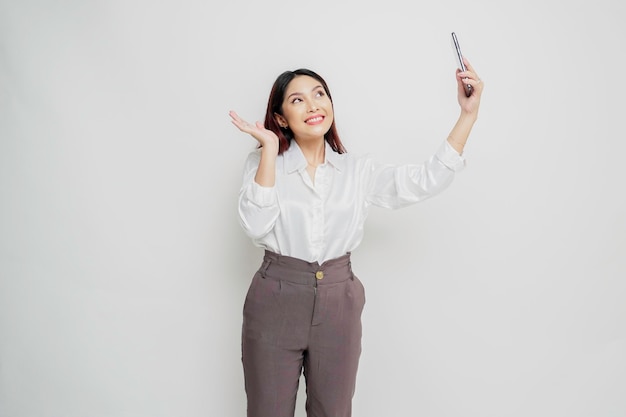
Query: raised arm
469	106
266	173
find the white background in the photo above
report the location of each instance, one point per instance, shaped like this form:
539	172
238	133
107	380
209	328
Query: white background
122	264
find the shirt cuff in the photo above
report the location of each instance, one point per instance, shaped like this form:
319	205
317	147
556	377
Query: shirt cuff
448	156
261	196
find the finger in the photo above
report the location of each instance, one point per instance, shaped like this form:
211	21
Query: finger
236	117
239	122
470	69
233	115
474	81
469	77
461	89
239	125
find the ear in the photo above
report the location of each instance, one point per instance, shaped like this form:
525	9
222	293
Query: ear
282	122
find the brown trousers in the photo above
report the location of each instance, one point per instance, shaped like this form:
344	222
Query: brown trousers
302	317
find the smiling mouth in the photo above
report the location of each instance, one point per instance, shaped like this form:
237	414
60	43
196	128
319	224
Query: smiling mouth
314	120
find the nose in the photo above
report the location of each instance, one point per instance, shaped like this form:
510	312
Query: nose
312	106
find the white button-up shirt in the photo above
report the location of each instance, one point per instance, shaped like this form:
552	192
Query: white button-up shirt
323	220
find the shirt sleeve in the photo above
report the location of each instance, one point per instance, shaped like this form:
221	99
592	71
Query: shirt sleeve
258	205
397	186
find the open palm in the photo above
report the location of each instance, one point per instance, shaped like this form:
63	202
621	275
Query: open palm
265	137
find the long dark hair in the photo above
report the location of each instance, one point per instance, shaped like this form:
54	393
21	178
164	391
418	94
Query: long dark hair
275	106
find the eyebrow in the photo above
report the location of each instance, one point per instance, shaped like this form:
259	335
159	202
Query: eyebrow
297	93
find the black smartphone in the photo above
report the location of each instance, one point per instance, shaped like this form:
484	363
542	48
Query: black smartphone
459	57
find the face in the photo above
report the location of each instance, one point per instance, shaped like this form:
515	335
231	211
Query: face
307	109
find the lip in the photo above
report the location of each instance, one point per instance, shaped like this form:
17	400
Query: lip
314	119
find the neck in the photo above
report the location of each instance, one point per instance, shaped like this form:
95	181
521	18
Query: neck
313	151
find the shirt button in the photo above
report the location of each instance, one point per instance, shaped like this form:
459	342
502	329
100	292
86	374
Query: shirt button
319	274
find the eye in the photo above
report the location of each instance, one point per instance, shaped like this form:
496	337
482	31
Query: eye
296	100
320	93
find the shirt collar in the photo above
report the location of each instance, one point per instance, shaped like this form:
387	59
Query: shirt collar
294	159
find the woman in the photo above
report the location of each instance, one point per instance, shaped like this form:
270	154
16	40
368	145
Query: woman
304	200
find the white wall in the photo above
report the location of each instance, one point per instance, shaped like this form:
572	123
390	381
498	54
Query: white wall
122	264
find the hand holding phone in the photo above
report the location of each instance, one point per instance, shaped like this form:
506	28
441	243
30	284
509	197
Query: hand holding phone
459	56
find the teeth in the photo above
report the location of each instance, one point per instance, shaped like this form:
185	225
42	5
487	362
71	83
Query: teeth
315	119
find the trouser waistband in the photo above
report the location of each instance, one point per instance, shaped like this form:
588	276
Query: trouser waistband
298	271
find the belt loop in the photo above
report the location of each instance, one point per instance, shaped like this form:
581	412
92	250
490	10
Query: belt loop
264	266
350	268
